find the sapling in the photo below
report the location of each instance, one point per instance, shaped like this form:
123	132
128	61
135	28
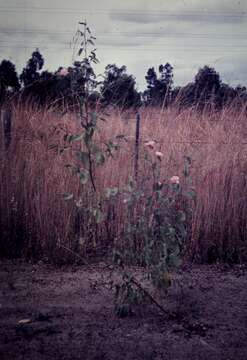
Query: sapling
157	210
155	236
89	154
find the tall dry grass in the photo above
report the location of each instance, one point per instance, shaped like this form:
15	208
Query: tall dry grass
36	221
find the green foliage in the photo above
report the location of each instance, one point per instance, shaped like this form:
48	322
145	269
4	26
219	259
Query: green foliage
159	90
127	295
9	81
155	236
155	228
118	88
30	73
89	154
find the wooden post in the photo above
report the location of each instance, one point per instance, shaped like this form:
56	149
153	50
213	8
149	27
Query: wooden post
5	128
1	133
137	139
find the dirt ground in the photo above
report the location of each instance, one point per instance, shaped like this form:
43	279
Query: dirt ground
68	313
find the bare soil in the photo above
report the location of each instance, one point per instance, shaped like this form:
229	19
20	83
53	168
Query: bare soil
68	313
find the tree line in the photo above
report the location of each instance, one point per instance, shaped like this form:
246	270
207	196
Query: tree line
117	88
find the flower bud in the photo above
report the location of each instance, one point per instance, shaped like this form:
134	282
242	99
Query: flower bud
159	155
150	144
174	179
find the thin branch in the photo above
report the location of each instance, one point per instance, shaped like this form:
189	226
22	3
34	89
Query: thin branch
139	286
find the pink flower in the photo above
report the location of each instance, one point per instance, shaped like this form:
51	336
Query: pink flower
174	179
159	155
150	144
63	72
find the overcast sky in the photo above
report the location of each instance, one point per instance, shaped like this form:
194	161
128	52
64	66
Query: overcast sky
135	33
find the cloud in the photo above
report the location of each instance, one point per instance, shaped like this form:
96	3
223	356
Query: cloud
122	41
209	18
135	33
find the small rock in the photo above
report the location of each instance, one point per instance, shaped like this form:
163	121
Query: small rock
24	321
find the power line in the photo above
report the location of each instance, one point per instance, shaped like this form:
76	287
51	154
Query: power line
133	48
124	49
157	45
128	47
122	33
129	12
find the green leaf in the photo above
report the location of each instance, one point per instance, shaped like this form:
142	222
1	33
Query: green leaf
110	147
72	138
80	51
98	215
53	146
94	117
188	160
121	137
94	60
81	101
82	241
83	176
187	166
83	157
94	148
158	186
90	42
99	158
182	230
181	216
191	194
171	231
174	260
88	135
166	279
111	192
186	171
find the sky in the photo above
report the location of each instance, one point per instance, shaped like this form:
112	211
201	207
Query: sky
137	33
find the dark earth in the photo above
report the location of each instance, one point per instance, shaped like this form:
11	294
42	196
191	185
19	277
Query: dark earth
48	312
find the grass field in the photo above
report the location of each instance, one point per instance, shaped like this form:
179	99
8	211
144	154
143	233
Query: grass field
36	220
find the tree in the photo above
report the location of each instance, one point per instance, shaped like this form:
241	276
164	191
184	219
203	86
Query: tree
30	73
82	75
207	85
166	74
150	95
118	87
228	94
166	81
159	90
50	87
206	89
9	81
185	96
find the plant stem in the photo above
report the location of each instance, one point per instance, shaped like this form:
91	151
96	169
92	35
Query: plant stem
91	170
139	286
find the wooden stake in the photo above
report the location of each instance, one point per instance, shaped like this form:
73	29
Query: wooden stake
6	128
137	139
